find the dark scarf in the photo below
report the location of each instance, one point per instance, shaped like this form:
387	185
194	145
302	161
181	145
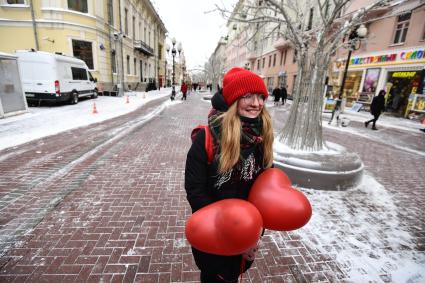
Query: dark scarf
251	134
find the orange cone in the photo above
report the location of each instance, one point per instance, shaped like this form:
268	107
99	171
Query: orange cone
94	108
423	121
127	100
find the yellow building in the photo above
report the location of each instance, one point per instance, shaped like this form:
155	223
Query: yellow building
121	41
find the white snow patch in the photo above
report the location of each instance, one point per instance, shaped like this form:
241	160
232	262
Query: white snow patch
45	121
361	229
131	252
180	243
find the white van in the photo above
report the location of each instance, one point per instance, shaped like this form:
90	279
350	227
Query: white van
54	77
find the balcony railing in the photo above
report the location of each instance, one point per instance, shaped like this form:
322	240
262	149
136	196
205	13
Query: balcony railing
143	47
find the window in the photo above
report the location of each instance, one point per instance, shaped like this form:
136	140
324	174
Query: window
310	19
77	5
110	14
128	64
401	28
79	74
141	70
113	62
258	64
423	35
294	59
14	2
149	39
284	57
264	62
83	50
274	59
135	66
144	34
140	31
126	21
146	71
270	61
134	27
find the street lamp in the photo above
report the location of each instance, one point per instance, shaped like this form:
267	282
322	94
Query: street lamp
174	53
354	37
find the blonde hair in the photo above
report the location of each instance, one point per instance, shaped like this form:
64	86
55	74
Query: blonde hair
231	136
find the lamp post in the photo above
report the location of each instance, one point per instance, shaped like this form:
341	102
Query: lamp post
174	53
354	37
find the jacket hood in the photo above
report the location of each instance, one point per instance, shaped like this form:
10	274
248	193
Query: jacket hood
218	102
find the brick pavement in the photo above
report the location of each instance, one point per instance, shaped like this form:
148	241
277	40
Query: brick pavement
118	214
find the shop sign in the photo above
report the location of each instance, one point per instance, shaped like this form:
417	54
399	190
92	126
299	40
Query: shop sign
401	56
403	74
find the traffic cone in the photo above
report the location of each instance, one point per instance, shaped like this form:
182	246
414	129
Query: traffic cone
423	121
94	111
127	99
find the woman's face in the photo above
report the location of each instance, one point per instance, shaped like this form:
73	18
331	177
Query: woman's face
250	105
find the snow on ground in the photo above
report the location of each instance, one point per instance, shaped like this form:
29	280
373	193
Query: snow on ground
49	120
352	230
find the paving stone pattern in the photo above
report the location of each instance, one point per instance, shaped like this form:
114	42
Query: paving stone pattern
84	207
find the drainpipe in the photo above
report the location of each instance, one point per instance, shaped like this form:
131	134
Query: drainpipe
121	90
111	30
34	26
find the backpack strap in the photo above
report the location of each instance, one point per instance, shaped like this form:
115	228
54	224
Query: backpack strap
209	144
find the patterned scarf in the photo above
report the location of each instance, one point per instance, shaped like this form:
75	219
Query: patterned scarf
251	134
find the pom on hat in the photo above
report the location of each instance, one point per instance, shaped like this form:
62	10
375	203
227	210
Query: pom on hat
237	82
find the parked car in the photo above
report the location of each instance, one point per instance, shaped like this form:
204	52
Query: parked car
54	77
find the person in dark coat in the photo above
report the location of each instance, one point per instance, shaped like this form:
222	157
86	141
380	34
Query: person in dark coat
377	106
183	89
276	95
336	111
242	134
283	94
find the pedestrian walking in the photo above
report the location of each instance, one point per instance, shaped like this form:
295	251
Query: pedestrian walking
376	108
283	94
183	89
276	95
242	134
336	111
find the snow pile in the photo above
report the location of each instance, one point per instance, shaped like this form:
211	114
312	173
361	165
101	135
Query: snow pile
45	121
360	228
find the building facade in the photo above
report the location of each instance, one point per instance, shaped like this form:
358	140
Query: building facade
393	60
121	41
391	57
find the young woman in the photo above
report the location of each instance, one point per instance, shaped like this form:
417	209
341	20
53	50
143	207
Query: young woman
243	136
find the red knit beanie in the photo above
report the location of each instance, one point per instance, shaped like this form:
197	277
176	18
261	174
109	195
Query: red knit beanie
237	82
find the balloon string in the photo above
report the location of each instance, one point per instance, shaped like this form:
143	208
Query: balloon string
242	269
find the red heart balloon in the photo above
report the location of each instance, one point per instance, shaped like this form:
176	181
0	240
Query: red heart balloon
278	176
226	227
282	207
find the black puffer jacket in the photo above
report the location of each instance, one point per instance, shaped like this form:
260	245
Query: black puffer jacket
378	105
204	185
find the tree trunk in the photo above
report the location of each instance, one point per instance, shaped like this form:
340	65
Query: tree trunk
303	130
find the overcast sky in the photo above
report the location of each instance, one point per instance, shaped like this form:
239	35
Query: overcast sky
198	31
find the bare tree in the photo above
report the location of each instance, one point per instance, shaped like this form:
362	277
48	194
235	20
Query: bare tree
315	39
